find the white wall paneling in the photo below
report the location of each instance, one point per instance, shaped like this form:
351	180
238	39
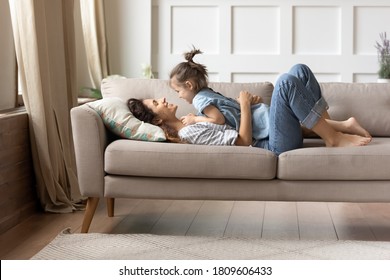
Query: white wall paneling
316	30
262	31
257	40
368	20
186	19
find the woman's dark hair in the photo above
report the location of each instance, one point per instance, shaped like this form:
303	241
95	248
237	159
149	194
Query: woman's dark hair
189	70
143	113
140	111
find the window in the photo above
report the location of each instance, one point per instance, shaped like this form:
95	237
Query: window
8	70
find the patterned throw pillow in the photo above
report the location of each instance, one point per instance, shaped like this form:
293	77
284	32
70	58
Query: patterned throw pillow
118	118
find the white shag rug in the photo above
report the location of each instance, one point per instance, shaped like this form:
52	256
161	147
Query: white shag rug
99	246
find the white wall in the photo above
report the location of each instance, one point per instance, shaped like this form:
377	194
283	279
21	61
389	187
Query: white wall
128	27
248	40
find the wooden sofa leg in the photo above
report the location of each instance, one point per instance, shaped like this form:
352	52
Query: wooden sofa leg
92	203
110	206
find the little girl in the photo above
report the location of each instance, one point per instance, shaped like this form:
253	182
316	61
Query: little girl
190	81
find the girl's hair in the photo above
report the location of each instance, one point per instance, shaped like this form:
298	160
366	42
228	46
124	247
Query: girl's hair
189	70
143	113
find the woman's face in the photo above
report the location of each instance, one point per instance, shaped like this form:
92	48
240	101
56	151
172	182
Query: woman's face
186	91
161	108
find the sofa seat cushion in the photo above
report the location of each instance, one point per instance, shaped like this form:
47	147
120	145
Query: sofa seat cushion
369	162
138	158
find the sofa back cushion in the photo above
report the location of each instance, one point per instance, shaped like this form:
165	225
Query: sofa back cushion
126	88
368	102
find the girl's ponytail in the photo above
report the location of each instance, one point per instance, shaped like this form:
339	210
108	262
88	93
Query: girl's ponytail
189	56
191	70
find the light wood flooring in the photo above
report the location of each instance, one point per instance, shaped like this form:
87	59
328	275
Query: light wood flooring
289	220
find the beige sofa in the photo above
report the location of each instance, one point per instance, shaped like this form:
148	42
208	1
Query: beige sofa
111	167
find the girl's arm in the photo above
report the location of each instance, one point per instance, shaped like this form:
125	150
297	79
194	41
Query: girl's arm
212	113
245	132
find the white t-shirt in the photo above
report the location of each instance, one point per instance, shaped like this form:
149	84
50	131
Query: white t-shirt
206	133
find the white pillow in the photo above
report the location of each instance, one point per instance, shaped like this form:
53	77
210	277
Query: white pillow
118	118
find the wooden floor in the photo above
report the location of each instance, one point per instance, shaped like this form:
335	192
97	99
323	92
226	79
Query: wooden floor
290	220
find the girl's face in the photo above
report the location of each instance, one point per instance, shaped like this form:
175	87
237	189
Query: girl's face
161	108
186	91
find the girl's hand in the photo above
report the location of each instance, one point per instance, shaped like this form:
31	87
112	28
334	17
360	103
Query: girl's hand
187	120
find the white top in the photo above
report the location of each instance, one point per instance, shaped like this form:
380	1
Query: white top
206	133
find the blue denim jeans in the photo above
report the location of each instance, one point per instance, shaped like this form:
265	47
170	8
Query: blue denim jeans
296	101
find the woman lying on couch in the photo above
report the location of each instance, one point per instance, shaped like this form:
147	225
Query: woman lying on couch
296	102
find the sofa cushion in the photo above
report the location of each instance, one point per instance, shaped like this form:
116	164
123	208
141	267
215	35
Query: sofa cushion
118	119
155	88
153	159
368	102
369	162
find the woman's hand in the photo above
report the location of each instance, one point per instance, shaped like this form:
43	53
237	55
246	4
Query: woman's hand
245	132
245	96
256	99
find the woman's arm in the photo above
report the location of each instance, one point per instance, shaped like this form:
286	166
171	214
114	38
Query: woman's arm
245	132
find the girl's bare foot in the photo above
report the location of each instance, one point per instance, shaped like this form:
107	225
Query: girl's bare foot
348	140
353	127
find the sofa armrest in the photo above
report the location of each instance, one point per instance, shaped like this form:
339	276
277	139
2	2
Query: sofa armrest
90	140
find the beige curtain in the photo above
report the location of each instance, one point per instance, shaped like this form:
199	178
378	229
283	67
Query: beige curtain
45	49
93	24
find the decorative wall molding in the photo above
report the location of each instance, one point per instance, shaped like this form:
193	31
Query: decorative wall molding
257	40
